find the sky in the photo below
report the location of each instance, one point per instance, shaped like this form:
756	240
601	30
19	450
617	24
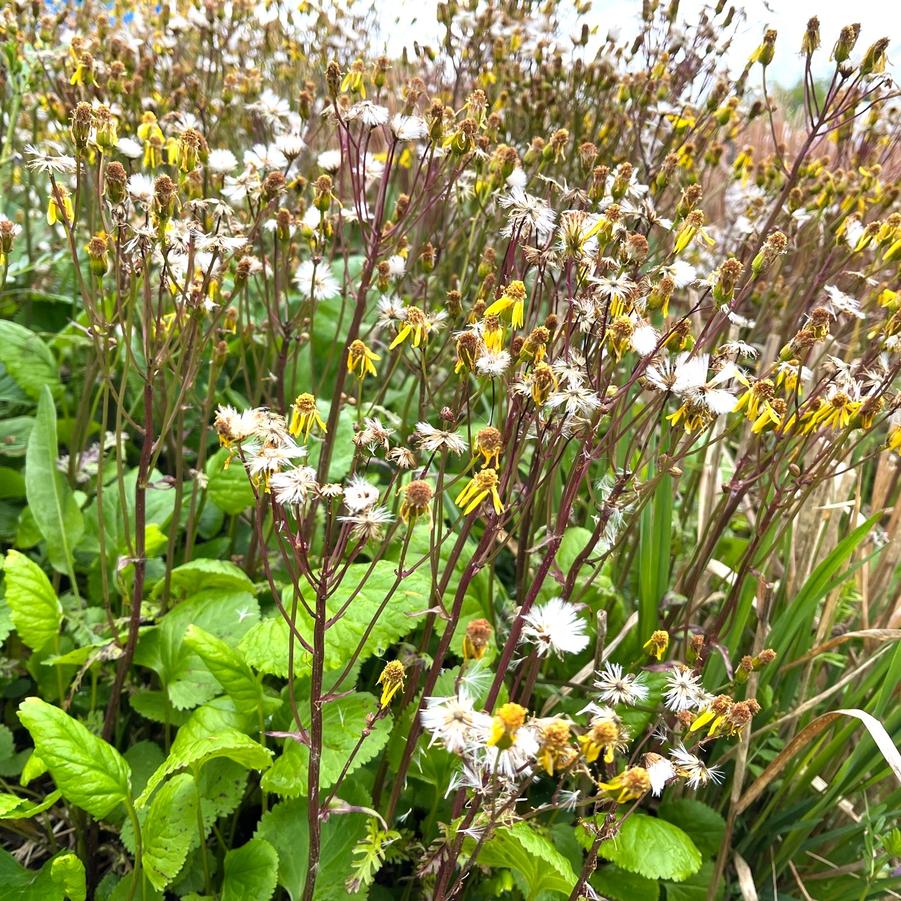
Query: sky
878	18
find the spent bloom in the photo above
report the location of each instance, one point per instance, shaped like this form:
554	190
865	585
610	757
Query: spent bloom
616	687
555	626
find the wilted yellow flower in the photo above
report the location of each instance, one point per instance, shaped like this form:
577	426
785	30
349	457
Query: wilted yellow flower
481	486
391	680
657	644
628	785
361	360
514	296
304	415
477	638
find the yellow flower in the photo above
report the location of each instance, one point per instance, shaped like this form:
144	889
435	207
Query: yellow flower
59	208
657	644
477	638
353	80
628	785
692	416
391	680
417	497
508	721
361	360
304	415
416	323
605	735
556	753
836	412
489	442
693	226
492	333
514	296
893	443
481	486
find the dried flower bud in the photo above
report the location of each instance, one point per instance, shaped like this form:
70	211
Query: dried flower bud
847	38
478	636
811	41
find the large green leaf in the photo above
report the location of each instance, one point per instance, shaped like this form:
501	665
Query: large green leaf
539	866
266	646
343	721
228	486
228	668
67	872
225	614
203	738
12	807
89	772
653	848
621	885
27	359
205	574
60	878
285	828
34	608
169	829
705	826
696	887
251	871
50	499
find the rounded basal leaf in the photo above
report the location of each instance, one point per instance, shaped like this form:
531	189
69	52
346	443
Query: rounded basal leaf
705	826
251	871
653	848
228	486
89	772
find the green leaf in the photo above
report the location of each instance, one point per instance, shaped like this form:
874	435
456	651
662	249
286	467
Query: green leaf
343	721
67	872
228	667
204	574
50	499
169	829
695	888
266	648
797	616
531	856
12	483
228	488
34	608
653	848
12	807
14	433
250	871
154	705
226	614
654	545
89	772
285	828
620	885
27	359
201	740
702	823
